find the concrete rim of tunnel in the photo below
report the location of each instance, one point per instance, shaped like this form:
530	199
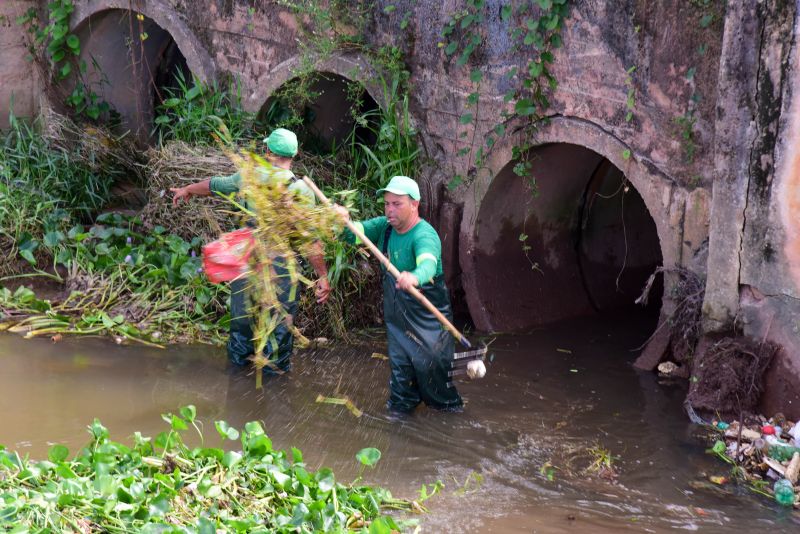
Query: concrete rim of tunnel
351	66
654	187
197	57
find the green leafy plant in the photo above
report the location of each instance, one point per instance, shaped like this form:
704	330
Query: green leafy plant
685	131
160	483
139	286
197	112
52	178
535	29
630	99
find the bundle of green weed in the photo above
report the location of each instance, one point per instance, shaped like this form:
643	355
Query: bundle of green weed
162	485
193	111
284	225
50	176
140	286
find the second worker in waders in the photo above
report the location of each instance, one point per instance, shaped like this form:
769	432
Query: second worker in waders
420	350
281	147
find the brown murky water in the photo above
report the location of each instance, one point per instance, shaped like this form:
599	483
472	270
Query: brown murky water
538	404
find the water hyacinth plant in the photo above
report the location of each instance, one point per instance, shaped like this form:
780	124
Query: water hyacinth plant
122	280
162	485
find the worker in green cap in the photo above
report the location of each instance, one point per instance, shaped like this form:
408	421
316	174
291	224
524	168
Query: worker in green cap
281	147
420	350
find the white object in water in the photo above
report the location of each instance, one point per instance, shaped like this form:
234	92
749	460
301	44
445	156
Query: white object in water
476	369
795	433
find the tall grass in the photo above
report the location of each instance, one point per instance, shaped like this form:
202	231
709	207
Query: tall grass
194	112
44	188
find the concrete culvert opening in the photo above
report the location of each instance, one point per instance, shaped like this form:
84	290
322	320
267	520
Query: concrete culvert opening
130	61
578	241
324	109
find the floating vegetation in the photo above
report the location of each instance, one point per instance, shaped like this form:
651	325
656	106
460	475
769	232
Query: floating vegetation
163	485
472	483
602	462
341	401
121	281
572	460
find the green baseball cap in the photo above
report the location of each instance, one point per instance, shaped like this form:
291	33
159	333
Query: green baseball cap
402	185
282	142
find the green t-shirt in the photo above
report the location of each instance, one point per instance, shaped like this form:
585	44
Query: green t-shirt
225	185
418	251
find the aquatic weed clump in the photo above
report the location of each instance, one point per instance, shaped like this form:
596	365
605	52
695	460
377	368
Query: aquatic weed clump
123	281
53	173
162	485
176	164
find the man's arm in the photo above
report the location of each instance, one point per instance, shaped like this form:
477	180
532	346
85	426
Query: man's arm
224	185
198	189
428	250
316	257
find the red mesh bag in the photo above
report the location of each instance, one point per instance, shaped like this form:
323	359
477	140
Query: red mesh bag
228	257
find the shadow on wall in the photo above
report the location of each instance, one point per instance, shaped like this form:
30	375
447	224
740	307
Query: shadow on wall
130	62
575	239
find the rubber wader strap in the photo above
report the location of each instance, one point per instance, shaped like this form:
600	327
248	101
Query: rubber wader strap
385	245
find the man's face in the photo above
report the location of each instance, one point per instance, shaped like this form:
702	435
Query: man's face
399	209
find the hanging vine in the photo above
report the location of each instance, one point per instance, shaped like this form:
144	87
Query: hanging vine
535	30
56	51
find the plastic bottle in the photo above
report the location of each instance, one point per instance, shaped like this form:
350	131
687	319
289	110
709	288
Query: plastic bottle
784	492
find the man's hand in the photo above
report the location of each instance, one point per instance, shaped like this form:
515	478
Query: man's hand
406	281
342	212
322	290
180	193
198	189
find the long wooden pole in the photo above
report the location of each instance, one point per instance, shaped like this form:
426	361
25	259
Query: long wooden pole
392	269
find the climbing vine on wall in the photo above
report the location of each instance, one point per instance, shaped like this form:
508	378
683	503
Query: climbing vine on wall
340	25
54	45
535	31
707	12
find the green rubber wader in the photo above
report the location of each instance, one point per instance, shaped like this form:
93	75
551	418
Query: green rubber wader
420	349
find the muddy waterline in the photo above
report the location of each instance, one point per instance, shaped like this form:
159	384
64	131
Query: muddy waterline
548	396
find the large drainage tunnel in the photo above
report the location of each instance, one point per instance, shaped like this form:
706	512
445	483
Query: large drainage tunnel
330	107
130	61
577	241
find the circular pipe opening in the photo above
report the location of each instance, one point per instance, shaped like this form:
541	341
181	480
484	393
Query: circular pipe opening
324	109
574	238
129	63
